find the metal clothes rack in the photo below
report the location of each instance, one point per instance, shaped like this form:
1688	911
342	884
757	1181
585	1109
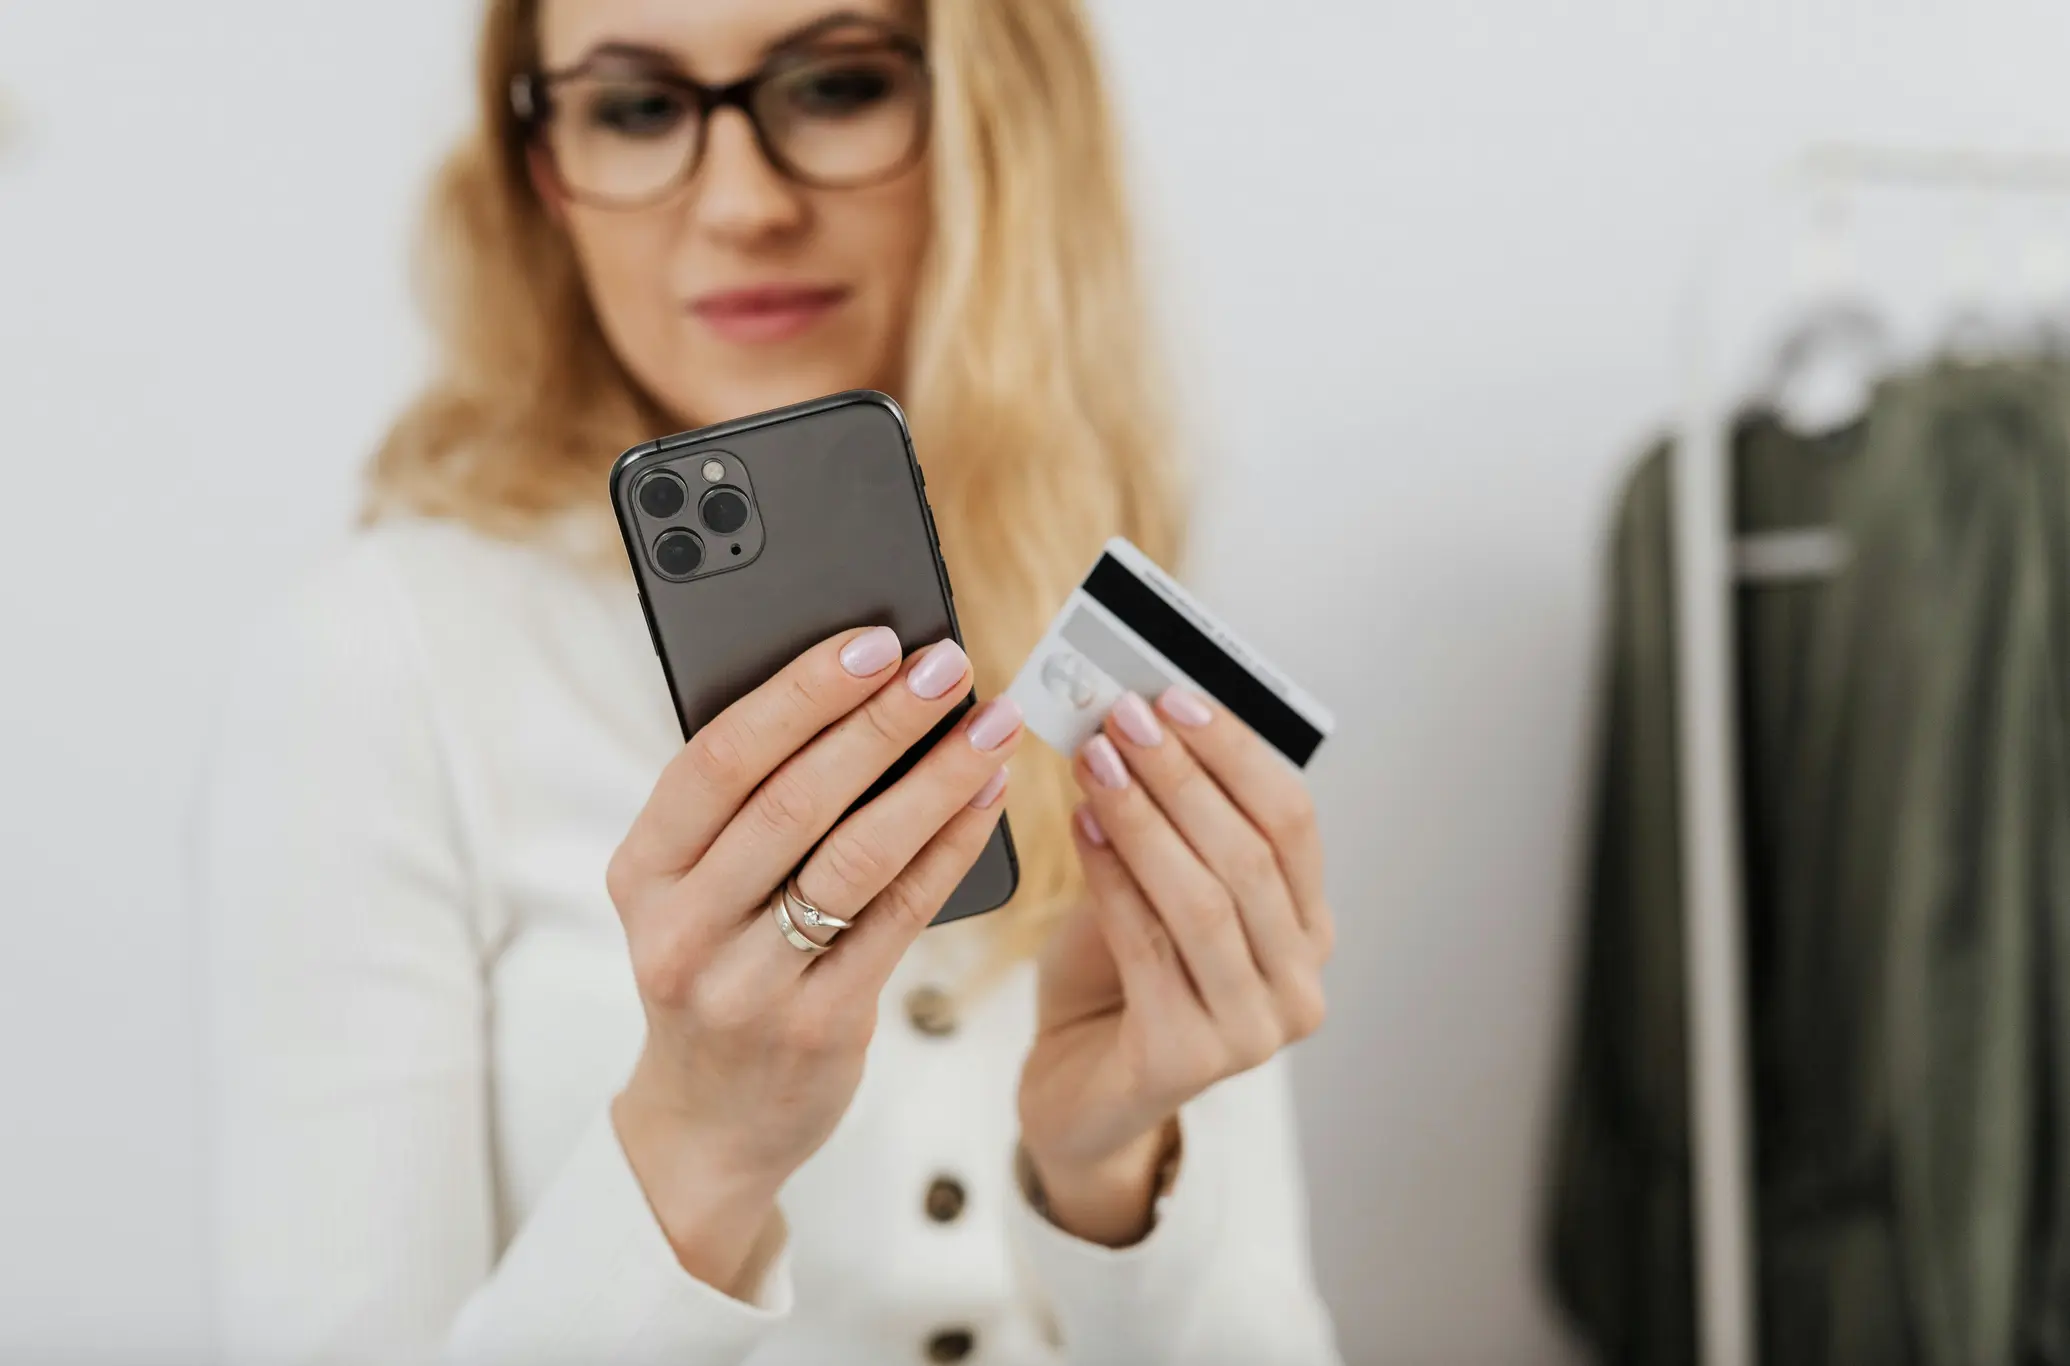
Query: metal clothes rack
1706	721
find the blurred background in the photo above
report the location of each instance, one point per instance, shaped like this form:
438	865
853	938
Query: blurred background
1428	265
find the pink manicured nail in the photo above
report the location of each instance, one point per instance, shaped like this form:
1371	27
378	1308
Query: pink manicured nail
1105	762
988	795
996	723
874	651
1090	828
1184	708
939	670
1137	721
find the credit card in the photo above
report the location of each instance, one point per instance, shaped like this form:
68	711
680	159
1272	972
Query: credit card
1129	627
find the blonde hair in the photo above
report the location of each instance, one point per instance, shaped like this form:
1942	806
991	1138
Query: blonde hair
1036	398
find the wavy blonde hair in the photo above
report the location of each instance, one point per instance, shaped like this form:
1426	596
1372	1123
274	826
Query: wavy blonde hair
1035	393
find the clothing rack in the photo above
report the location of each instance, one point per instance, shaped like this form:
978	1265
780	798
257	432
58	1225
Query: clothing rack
1707	748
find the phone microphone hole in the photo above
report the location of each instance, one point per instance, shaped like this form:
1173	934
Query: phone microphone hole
736	550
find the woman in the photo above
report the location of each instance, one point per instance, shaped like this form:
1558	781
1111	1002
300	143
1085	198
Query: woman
458	1119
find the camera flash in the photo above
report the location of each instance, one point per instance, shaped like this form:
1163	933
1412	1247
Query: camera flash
713	471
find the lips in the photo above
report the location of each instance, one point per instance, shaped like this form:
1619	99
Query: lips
767	313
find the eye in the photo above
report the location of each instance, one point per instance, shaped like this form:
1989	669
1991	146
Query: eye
637	111
836	91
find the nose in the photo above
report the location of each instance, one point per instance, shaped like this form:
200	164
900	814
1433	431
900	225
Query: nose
737	195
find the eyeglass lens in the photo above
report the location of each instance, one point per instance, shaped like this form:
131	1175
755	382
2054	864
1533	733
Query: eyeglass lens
843	117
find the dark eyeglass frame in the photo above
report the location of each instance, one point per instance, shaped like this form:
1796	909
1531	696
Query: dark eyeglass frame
531	104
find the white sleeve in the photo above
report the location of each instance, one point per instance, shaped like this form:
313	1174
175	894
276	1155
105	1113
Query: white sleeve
353	1190
1224	1277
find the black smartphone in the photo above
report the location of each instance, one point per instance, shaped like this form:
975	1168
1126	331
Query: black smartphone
755	539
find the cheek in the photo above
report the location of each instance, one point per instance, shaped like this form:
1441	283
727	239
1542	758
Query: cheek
909	224
899	228
624	262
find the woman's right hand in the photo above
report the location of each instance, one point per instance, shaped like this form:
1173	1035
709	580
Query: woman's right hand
754	1048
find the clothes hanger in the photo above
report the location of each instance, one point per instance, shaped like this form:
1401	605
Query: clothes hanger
1826	366
1820	380
1972	335
1984	325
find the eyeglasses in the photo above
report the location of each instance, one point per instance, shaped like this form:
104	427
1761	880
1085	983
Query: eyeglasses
843	112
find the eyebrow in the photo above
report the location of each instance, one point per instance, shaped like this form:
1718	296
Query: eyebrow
646	55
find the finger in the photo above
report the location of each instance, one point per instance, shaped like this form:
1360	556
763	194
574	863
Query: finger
711	775
1195	907
798	803
862	854
861	960
1221	835
1264	785
1152	972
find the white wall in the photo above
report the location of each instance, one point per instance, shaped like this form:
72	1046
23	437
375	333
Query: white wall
1426	259
203	319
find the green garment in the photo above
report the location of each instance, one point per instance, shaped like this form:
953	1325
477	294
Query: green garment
1906	828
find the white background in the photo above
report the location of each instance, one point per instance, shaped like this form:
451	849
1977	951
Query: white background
1426	259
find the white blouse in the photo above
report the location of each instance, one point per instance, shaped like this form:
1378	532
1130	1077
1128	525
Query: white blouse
421	1006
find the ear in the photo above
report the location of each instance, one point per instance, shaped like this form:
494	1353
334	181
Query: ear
546	184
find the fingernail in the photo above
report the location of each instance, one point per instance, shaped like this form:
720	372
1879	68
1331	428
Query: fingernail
1090	828
1137	721
1184	708
996	723
1105	762
988	795
939	670
874	651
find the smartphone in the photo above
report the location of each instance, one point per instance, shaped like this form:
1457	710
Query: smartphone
753	540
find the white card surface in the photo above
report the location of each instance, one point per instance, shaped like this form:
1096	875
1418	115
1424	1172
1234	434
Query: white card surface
1130	627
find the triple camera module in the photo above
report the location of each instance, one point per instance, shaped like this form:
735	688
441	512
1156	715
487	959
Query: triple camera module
724	512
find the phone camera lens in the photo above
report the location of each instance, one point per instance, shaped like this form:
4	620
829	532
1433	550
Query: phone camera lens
725	511
662	495
678	553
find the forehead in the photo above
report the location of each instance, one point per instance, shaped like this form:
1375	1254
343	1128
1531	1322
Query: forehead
713	40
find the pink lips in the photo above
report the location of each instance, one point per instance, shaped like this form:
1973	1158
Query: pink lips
767	313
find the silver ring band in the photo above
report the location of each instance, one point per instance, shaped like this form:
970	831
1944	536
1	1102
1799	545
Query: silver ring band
779	906
803	912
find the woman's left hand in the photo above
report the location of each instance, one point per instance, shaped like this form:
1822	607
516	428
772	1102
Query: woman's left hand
1198	956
